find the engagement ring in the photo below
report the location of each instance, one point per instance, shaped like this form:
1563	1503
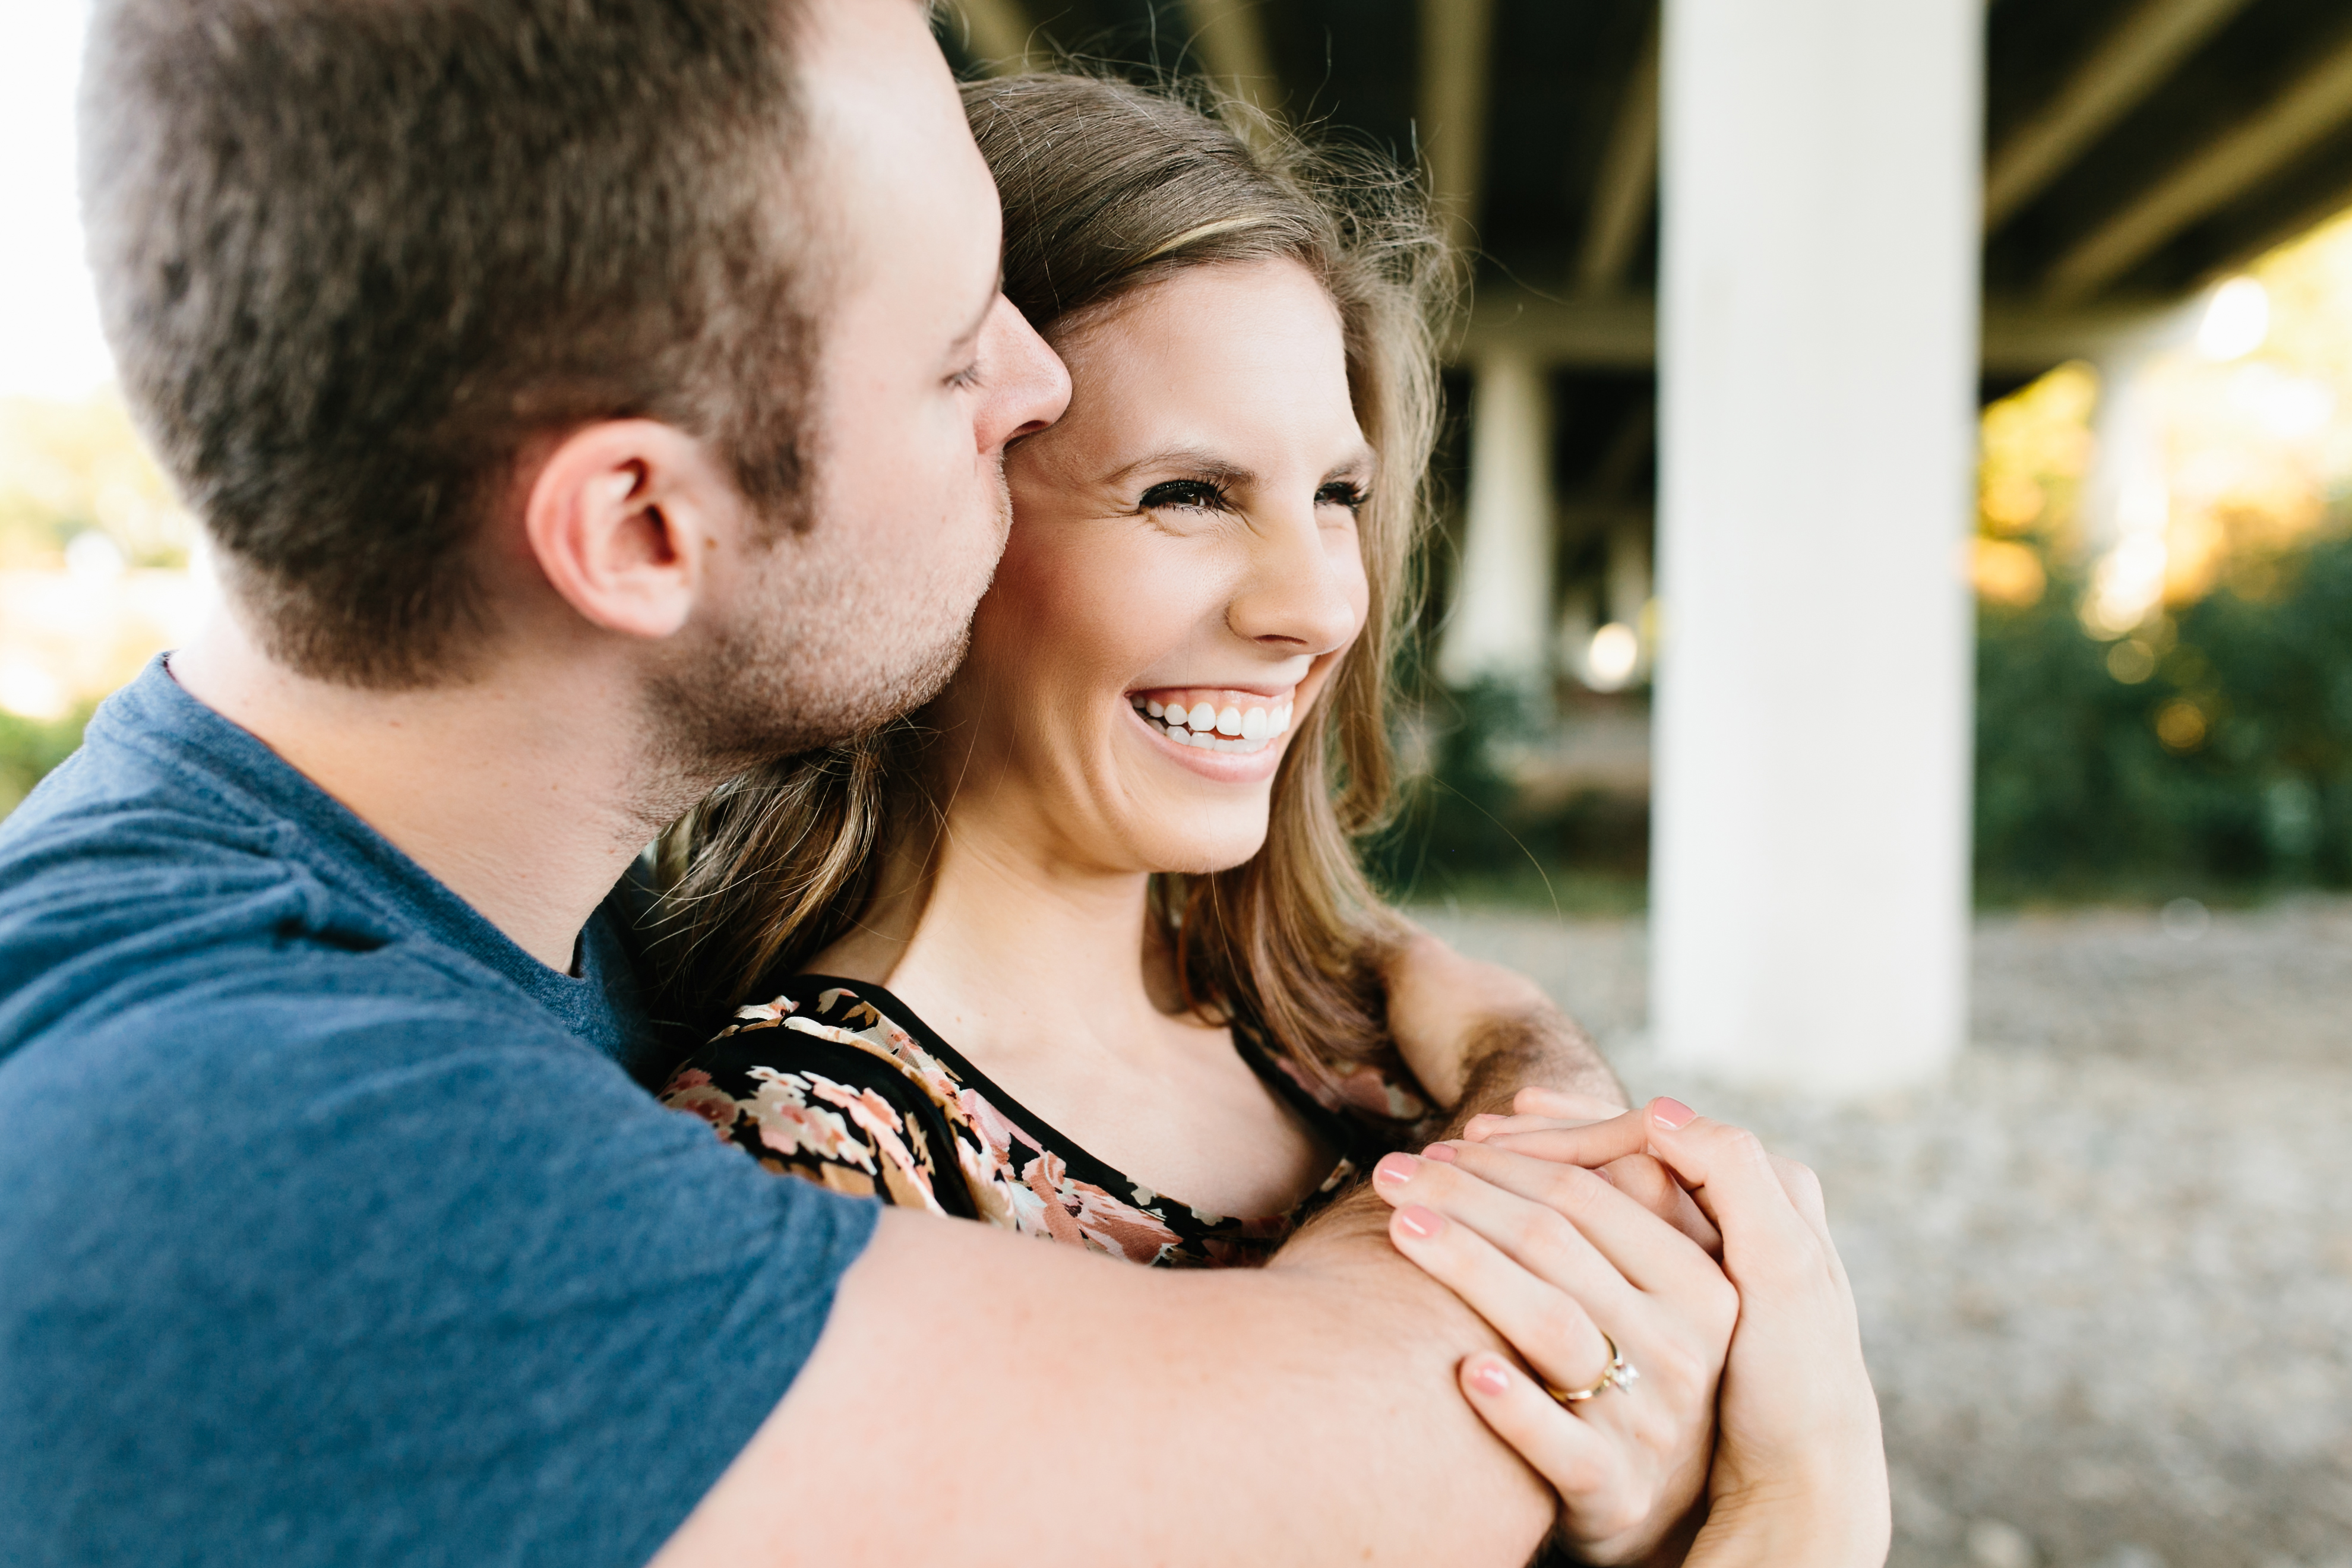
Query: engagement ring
1620	1375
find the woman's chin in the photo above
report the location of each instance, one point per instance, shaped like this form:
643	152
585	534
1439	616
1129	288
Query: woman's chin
1207	859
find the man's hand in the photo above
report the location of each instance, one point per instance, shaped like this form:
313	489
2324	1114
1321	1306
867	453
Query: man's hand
1475	1033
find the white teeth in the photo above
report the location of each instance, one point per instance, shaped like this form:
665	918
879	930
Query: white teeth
1231	729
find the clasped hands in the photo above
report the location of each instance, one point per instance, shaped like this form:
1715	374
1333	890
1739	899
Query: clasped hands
1572	1224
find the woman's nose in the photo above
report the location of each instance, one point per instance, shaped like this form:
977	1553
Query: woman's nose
1306	590
1028	383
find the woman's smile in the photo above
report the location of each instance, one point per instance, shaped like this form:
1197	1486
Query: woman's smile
1242	723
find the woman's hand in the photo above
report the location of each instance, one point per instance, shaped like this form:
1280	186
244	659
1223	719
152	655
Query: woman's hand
1555	1258
1799	1472
1639	1176
1801	1465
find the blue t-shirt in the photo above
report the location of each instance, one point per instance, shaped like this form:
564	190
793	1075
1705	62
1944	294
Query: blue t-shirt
332	1228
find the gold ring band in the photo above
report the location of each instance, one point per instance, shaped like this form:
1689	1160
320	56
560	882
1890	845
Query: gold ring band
1620	1375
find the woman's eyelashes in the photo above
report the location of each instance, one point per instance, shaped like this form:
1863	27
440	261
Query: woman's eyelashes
966	378
1189	495
1202	495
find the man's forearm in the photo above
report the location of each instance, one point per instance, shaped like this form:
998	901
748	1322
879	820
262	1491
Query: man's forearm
990	1399
1547	1049
1477	1032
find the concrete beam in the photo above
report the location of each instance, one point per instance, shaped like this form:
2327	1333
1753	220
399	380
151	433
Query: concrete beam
1620	331
2268	237
2316	103
2125	66
1229	40
1457	36
1617	332
1627	181
1002	37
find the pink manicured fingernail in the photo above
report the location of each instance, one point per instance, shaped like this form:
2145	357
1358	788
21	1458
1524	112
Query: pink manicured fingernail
1397	1167
1491	1377
1671	1114
1419	1221
1442	1153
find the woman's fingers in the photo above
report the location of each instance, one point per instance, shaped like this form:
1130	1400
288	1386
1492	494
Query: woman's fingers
1536	1225
1546	1325
1530	1266
1734	1180
1566	1104
1631	1239
1588	1143
1641	1178
1590	1472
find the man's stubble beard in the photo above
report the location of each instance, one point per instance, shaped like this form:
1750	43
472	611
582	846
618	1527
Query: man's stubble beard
831	654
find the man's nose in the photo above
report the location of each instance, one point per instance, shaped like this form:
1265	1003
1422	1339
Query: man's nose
1028	383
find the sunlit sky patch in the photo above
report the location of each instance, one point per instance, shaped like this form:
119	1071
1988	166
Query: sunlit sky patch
49	341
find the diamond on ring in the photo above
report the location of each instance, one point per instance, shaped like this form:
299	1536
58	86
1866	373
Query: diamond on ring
1620	1375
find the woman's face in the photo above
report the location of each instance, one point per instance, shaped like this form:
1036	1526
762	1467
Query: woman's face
1182	578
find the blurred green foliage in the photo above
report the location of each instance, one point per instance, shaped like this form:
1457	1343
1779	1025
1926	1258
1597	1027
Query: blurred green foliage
1464	833
2210	750
29	749
2208	753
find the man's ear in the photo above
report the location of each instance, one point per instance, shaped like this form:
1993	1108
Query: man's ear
624	518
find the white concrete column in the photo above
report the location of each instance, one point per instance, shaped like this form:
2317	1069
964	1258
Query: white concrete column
1501	620
1818	348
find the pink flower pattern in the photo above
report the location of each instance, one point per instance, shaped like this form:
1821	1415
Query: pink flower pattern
821	1082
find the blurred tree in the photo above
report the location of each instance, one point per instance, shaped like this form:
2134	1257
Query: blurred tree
2212	748
70	468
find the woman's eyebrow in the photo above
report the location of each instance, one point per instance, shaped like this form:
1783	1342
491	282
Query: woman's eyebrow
1363	460
1195	462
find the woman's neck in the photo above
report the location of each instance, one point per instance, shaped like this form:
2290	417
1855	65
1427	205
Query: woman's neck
1042	974
999	944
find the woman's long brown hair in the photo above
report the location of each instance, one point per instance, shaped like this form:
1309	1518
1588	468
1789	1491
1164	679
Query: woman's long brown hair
1108	187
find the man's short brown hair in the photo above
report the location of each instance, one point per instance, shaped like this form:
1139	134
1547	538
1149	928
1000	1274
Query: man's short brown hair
353	253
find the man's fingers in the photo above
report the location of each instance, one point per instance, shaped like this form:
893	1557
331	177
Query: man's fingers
1549	1328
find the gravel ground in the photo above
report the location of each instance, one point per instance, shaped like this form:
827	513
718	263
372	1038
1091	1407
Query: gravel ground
2106	1270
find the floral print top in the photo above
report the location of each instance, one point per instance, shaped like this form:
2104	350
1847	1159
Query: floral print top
838	1082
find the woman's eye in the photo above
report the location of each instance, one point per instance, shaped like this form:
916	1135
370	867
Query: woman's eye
966	378
1198	494
1340	492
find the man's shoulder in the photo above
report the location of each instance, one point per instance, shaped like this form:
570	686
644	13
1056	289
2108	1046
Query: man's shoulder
144	877
128	899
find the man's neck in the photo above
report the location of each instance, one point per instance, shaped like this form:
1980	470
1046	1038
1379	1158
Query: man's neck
520	790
